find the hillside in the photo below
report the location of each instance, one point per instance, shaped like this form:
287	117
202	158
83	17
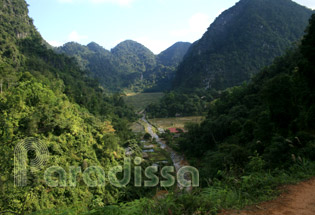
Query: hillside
65	136
174	54
97	60
255	138
241	41
134	57
129	65
46	96
272	116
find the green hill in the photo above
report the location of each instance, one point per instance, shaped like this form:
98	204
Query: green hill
272	116
241	41
47	96
129	65
255	138
174	54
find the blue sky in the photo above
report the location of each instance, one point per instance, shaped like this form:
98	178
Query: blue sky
157	24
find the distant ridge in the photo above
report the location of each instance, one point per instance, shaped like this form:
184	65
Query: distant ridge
129	65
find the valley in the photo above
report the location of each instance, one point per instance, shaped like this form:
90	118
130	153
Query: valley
178	160
92	131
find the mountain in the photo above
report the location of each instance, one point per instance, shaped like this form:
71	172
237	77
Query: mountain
15	25
241	41
270	119
99	61
129	65
48	97
161	77
135	57
97	48
174	54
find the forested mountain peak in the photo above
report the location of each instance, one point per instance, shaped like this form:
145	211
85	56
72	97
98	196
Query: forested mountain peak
128	65
129	45
97	48
242	40
73	48
131	52
174	54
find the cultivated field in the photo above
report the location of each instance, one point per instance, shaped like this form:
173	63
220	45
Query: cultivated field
142	100
177	122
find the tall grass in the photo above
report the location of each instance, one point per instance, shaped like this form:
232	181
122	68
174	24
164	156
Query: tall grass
227	193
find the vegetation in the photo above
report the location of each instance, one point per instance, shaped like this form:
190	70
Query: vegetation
173	56
240	42
175	103
271	117
142	100
225	193
176	122
47	96
255	136
129	65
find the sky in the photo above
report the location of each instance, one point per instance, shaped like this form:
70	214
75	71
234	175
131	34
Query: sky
157	24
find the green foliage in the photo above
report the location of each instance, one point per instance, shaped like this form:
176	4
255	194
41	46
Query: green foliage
228	193
255	137
240	42
134	57
181	104
47	96
129	65
270	116
174	54
140	101
72	135
98	61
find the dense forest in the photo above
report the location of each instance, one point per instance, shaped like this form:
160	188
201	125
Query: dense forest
129	66
47	96
240	42
176	103
256	135
272	116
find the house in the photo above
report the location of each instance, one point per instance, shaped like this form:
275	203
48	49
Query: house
173	130
176	131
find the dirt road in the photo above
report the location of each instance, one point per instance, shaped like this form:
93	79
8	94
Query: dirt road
296	199
178	159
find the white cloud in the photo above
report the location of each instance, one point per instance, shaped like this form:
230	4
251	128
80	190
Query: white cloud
156	46
196	26
55	43
307	3
76	37
119	2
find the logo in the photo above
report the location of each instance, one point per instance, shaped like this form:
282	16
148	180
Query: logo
95	176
